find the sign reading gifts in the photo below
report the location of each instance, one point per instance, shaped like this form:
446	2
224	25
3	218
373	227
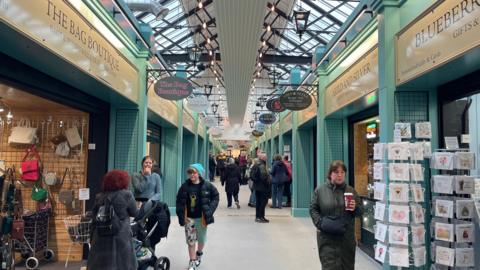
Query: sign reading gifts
73	32
437	36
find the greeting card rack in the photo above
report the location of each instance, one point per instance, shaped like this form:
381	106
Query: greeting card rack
453	230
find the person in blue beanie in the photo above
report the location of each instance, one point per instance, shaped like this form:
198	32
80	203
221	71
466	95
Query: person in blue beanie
196	203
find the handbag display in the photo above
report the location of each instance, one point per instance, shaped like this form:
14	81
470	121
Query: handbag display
39	193
62	149
31	168
73	137
67	196
23	133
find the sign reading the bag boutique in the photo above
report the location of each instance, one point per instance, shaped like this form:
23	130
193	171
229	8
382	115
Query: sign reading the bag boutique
445	31
267	118
72	31
274	105
173	88
296	100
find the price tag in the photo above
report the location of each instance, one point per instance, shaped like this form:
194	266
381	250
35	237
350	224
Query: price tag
84	194
465	138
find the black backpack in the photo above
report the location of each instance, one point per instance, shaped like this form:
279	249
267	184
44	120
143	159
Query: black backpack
107	222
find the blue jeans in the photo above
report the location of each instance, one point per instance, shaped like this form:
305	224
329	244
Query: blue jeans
252	199
277	194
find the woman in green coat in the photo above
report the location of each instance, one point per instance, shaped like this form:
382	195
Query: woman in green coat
335	221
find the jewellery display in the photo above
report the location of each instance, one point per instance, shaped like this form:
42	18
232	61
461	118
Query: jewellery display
464	257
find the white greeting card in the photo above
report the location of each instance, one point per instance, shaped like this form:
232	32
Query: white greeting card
444	231
444	208
380	251
398	151
405	130
398	257
464	257
419	256
423	130
399	171
464	184
379	151
465	233
399	192
380	231
444	256
464	208
398	235
416	151
443	184
379	211
464	160
417	193
442	161
379	191
416	171
427	149
399	214
418	235
378	171
418	214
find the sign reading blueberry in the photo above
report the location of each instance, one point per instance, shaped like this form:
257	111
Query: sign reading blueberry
296	100
173	88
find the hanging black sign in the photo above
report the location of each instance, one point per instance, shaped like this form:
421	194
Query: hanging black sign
257	133
274	105
296	100
267	118
173	88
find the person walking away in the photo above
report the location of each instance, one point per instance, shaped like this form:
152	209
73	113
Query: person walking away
333	209
261	185
146	183
279	173
232	182
242	161
212	164
196	203
221	166
115	251
251	201
287	191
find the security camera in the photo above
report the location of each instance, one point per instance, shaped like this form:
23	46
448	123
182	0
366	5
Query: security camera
150	6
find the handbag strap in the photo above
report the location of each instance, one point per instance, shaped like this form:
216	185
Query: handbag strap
32	150
64	175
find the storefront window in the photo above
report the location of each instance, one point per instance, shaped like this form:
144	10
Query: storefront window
154	144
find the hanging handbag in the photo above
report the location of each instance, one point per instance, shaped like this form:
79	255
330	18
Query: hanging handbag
50	178
18	229
66	196
59	138
39	193
31	168
7	224
62	149
23	133
73	137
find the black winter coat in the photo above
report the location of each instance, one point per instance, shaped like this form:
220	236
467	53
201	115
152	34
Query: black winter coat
259	176
279	173
208	198
232	177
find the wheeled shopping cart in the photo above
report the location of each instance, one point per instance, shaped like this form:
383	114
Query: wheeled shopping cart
78	228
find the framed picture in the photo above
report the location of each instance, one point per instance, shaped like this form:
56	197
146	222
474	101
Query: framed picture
399	171
464	208
379	151
464	257
444	231
379	211
399	192
418	214
464	185
399	214
380	231
423	130
399	257
416	151
398	235
444	256
380	251
442	161
444	208
405	130
379	191
443	184
398	151
419	256
417	193
464	160
418	235
465	233
427	149
379	171
416	171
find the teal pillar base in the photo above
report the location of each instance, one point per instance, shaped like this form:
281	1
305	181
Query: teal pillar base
300	212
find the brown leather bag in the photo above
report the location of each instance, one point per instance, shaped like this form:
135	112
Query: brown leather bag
18	229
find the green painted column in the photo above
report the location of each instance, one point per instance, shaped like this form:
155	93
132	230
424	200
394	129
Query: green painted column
170	154
280	135
273	150
321	172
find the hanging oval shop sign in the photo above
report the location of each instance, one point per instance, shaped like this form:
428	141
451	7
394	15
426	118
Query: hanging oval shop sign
260	127
198	104
173	88
215	131
296	100
257	133
211	121
267	118
274	105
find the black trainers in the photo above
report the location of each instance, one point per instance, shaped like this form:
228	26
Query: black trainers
265	220
199	258
259	220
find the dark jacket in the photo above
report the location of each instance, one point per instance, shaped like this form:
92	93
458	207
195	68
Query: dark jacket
335	252
208	198
259	176
279	173
232	179
114	252
212	163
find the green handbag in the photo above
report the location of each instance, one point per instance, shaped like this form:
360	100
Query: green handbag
39	193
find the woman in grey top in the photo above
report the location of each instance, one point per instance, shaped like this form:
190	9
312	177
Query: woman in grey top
146	184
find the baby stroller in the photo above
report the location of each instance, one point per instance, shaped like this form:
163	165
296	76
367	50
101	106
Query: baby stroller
149	227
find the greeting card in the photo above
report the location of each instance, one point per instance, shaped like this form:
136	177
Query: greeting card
417	193
399	193
464	208
399	214
399	171
444	208
378	171
416	151
464	257
443	184
380	251
419	256
379	191
418	214
379	151
442	161
423	130
416	171
418	235
465	233
398	235
427	149
399	257
464	160
444	256
444	231
380	231
405	130
464	184
379	211
398	151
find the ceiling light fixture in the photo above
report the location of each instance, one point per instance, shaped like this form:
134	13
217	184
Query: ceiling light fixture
200	4
204	25
264	43
301	20
208	40
269	28
259	64
251	123
210	52
261	54
194	54
214	108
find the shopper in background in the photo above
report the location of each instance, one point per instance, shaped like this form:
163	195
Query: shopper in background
261	185
114	251
221	159
287	189
251	201
197	200
333	210
146	183
212	164
242	162
279	175
232	177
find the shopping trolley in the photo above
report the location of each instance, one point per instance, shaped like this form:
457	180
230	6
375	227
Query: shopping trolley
78	228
